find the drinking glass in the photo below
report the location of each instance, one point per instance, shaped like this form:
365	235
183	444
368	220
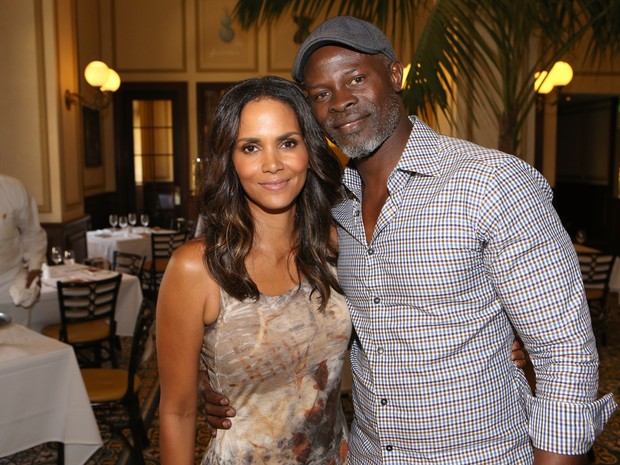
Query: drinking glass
69	257
132	219
56	254
113	219
122	221
144	219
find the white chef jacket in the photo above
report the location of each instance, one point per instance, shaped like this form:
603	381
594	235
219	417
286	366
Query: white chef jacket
23	242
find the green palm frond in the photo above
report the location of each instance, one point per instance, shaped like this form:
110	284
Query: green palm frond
483	48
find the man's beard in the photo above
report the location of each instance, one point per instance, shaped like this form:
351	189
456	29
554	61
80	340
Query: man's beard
381	129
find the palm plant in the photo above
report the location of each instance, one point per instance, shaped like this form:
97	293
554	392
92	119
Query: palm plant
480	47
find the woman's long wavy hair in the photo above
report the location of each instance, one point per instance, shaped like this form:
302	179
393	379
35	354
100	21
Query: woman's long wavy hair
228	224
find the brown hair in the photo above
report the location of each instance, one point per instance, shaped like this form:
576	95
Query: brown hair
228	225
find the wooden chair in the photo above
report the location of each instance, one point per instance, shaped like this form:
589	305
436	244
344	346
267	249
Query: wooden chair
163	246
187	225
87	310
129	263
133	264
97	262
113	392
596	271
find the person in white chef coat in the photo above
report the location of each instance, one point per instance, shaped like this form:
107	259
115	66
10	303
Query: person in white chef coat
23	243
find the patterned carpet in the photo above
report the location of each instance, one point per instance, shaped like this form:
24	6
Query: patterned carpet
606	449
607	446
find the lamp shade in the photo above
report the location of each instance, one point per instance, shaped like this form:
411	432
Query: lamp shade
96	73
113	82
561	73
543	83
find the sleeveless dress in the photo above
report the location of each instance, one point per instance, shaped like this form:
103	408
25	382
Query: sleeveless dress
279	360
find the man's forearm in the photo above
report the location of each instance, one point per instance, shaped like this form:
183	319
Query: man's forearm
542	457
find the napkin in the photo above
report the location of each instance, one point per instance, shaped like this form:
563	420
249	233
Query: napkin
24	296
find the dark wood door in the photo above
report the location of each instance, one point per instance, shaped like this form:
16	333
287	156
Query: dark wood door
586	194
152	160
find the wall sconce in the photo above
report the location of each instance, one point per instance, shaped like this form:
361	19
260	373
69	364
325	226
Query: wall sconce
560	75
97	74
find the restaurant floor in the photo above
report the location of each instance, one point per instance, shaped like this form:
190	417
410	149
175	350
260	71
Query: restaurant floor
607	447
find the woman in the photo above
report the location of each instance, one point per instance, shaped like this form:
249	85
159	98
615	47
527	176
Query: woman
258	295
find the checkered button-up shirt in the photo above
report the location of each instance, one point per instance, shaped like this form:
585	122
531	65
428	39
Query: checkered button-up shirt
466	246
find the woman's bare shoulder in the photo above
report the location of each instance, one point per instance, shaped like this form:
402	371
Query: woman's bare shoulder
187	263
187	277
198	279
190	255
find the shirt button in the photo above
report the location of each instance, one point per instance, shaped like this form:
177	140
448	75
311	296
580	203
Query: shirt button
371	251
384	402
389	448
356	213
376	300
380	350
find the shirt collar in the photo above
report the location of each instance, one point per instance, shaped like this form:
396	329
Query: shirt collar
420	156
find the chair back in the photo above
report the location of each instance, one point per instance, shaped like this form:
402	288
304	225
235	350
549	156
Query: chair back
595	271
163	246
142	339
128	263
97	262
185	225
85	301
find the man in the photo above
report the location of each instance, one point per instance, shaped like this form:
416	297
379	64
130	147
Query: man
23	243
445	247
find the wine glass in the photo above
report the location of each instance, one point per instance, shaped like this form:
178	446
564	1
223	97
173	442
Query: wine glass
122	222
144	219
56	254
132	220
113	219
69	257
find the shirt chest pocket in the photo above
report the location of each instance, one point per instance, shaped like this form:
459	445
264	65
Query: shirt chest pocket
8	228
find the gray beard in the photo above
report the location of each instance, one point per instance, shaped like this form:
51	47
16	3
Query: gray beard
381	130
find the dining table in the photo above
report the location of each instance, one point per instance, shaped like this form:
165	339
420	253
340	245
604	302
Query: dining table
137	240
47	310
42	396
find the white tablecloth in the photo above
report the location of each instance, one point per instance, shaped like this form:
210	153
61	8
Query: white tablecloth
42	396
46	311
103	242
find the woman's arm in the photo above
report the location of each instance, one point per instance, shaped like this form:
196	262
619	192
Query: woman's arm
185	298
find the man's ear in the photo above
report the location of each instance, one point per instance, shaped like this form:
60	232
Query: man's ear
396	75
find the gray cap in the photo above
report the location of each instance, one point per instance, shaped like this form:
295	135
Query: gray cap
345	31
